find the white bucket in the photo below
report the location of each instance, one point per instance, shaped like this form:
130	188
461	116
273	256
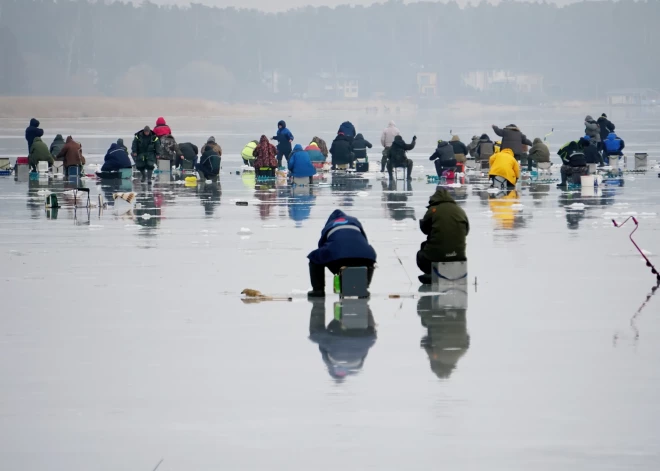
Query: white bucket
587	181
614	161
588	190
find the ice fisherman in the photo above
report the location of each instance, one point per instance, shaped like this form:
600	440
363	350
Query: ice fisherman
512	138
398	157
341	150
162	129
613	145
606	127
56	145
460	150
315	153
443	158
539	153
300	165
485	149
343	243
189	153
211	142
347	129
592	129
265	154
592	154
386	140
504	169
284	139
446	226
145	152
115	159
323	147
247	154
360	146
473	146
209	164
39	153
71	155
574	161
32	131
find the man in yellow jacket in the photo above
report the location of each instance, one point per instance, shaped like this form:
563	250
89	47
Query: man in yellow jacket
504	169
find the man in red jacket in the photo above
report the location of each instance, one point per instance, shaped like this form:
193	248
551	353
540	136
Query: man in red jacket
162	129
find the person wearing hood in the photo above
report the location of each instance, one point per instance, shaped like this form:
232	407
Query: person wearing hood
347	129
162	129
265	154
343	348
485	149
315	153
189	153
284	140
341	150
360	146
512	139
209	164
398	157
592	129
538	153
214	145
386	140
71	155
145	151
575	163
460	150
504	169
115	159
323	147
446	226
56	145
443	158
39	153
613	145
32	131
473	146
300	165
247	154
343	243
606	127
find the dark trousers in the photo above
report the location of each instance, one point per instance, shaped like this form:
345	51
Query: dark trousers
442	165
408	164
282	154
204	175
572	174
317	272
384	159
424	264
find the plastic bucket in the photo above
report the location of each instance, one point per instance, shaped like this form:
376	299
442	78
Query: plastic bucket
587	180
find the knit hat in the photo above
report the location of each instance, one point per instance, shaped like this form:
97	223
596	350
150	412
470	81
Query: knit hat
211	139
147	129
603	115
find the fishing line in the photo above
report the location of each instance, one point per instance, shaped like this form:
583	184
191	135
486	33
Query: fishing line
403	266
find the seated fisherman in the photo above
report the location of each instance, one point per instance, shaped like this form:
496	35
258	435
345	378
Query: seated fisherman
574	161
443	157
248	152
446	226
189	152
343	243
115	159
613	145
300	165
209	164
504	169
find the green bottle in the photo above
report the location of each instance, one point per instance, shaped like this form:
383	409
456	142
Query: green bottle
337	285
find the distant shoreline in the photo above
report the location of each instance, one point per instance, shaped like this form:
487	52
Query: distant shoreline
105	107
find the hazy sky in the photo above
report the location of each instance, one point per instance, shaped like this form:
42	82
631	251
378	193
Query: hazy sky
278	5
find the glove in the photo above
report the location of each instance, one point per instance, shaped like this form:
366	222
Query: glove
274	138
414	138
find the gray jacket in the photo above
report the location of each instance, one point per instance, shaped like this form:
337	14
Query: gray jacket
512	139
591	128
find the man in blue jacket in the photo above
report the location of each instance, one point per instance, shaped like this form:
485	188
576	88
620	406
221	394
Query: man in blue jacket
284	139
116	158
300	165
343	243
613	145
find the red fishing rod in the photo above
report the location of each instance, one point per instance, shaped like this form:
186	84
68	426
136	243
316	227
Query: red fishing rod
648	262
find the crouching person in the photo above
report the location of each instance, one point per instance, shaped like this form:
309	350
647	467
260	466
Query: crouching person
209	164
343	243
446	226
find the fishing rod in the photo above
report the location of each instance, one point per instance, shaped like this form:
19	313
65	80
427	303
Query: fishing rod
641	252
402	266
549	134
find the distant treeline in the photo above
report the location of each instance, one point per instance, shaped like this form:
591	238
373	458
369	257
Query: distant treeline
117	49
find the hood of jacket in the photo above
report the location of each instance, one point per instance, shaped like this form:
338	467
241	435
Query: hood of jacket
512	127
589	119
37	139
440	196
391	124
297	148
359	136
455	138
442	144
58	138
340	218
161	122
114	146
612	136
484	138
281	123
537	141
34	123
69	139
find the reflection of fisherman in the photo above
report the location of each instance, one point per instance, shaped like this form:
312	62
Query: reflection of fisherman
147	214
209	196
396	201
501	205
343	346
573	215
300	204
447	339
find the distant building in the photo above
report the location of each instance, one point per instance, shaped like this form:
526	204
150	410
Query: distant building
490	80
427	84
633	97
330	86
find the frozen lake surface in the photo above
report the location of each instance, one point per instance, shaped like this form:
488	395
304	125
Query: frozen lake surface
124	341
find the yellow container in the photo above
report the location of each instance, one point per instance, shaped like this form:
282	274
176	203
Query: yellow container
191	181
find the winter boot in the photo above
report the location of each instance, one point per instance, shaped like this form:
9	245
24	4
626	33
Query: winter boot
317	278
143	179
425	279
149	174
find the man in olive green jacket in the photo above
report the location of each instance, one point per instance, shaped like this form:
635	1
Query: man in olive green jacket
39	153
446	226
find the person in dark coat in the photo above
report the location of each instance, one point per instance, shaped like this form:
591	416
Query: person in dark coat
341	150
485	149
575	163
460	150
115	159
443	157
145	151
209	164
591	153
606	127
71	155
189	153
284	140
32	131
39	153
446	226
347	129
538	153
56	145
398	157
512	139
343	243
360	146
